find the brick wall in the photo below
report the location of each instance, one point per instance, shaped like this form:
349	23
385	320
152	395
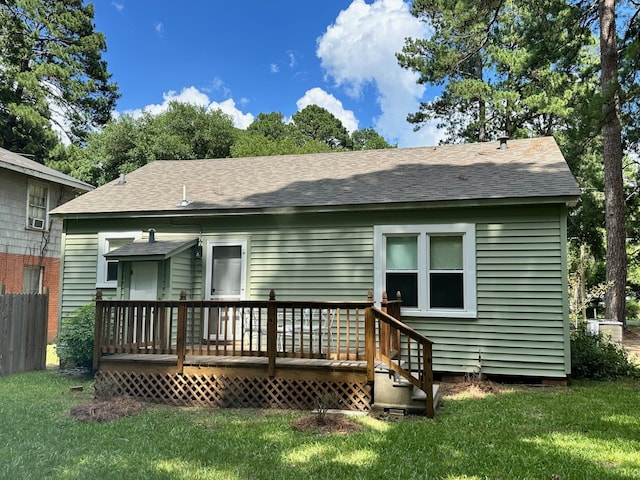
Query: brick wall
11	276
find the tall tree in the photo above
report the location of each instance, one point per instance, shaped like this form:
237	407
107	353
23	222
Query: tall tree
317	123
612	152
51	71
368	139
506	66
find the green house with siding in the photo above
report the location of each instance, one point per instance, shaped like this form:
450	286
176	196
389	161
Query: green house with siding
473	236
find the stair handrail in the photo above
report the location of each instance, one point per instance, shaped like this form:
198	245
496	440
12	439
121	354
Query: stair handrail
391	342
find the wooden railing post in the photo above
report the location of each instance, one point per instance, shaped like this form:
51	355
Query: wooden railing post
272	333
384	327
97	330
181	339
427	377
370	342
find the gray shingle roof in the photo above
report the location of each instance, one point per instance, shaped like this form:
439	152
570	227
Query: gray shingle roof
18	163
531	168
162	249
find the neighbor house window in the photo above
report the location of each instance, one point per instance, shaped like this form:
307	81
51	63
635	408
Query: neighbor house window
107	270
37	206
432	266
32	279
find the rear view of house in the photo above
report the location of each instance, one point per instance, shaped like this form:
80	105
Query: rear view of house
472	236
29	237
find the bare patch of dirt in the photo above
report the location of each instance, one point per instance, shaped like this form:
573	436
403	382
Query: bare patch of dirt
106	410
476	389
333	423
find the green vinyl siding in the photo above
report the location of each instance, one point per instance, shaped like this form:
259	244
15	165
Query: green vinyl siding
312	263
521	305
521	324
78	271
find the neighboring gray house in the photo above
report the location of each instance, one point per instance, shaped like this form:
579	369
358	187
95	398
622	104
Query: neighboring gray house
29	237
473	235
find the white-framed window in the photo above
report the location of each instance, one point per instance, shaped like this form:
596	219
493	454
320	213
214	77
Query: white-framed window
432	266
37	205
107	270
32	279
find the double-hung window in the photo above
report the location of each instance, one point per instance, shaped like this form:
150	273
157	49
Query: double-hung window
37	206
107	270
432	266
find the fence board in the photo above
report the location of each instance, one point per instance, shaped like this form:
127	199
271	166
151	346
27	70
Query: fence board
23	332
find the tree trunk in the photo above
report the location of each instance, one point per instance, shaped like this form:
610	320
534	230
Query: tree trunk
616	257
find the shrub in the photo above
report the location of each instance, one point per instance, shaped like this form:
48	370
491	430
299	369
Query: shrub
592	356
75	342
632	309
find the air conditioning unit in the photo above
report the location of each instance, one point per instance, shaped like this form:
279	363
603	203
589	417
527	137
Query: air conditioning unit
36	223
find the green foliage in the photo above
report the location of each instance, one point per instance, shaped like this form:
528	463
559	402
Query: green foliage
75	342
592	356
52	71
368	139
632	309
182	132
316	123
506	67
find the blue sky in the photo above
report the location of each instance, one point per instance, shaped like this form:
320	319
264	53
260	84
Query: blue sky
258	56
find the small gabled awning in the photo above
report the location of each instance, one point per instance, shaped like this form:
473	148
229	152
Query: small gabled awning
144	250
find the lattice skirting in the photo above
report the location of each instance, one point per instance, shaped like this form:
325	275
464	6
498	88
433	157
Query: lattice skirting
232	392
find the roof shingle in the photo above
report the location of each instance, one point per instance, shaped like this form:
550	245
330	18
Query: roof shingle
527	168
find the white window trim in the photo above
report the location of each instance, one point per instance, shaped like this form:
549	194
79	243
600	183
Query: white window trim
101	271
243	272
45	220
422	231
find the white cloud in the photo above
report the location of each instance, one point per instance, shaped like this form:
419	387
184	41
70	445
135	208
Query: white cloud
292	60
240	120
327	101
194	96
118	6
159	27
359	49
273	68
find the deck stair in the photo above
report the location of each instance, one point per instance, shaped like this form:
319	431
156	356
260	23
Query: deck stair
392	393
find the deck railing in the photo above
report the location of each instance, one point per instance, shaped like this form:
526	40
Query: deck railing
270	328
400	348
349	330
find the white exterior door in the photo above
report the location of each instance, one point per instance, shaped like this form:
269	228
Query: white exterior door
143	286
144	281
226	280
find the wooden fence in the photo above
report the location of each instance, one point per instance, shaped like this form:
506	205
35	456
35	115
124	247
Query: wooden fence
23	332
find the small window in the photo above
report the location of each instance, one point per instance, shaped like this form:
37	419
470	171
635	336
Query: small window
32	279
432	266
107	270
37	206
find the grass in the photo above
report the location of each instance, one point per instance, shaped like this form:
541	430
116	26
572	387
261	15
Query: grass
587	431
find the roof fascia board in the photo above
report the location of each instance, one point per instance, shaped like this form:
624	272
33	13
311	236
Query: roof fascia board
78	185
569	201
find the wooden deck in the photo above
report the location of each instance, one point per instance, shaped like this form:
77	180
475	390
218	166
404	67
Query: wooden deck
254	354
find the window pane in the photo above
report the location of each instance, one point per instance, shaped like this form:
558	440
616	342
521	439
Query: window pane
445	252
114	243
226	274
402	253
446	290
406	284
31	279
112	270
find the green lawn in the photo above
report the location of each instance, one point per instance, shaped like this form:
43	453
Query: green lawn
588	431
